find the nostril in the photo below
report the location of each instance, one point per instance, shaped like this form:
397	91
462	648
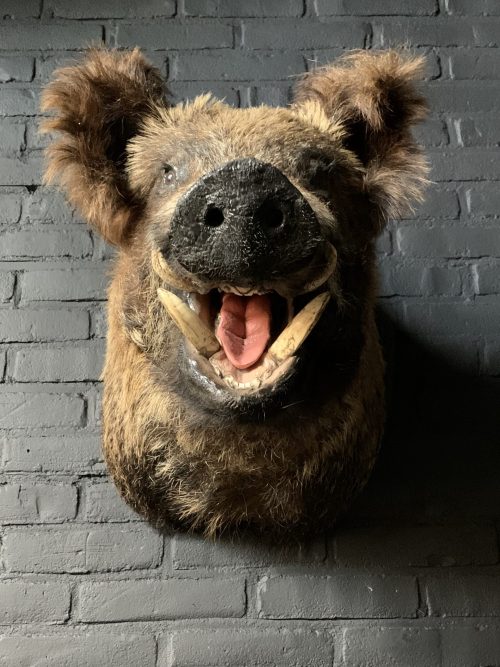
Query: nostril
269	215
214	216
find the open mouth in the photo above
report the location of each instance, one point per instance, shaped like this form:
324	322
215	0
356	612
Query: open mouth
245	339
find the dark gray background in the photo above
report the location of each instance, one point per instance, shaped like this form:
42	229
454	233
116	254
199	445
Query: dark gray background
410	578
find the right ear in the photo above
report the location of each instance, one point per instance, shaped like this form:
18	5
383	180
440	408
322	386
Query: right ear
100	105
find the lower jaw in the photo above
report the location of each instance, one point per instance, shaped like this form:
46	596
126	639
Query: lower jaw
216	400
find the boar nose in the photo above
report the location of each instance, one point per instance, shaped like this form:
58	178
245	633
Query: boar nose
243	222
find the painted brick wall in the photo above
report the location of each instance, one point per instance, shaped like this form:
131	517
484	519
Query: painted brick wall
411	577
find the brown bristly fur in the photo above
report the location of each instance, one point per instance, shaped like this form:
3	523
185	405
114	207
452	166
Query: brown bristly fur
100	105
174	463
374	96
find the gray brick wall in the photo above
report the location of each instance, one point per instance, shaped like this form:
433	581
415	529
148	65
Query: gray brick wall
411	576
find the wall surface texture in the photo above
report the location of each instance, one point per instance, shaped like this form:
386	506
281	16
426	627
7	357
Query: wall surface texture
411	576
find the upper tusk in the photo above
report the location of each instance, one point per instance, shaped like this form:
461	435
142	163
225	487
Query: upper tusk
330	265
162	269
292	336
193	328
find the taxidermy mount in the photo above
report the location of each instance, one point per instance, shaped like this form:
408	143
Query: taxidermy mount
243	382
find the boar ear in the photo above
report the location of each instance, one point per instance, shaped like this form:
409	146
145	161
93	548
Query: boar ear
99	105
373	95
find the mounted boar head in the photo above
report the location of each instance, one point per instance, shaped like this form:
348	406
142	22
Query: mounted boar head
243	382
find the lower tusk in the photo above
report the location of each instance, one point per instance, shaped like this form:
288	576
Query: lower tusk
299	329
325	274
190	325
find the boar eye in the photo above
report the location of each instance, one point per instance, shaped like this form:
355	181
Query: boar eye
169	175
319	174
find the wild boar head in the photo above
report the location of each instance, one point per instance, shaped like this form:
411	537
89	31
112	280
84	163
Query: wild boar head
243	381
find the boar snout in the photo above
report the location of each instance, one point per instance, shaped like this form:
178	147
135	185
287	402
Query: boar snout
244	224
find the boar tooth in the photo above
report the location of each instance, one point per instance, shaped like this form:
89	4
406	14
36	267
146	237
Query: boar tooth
325	274
194	329
292	337
162	269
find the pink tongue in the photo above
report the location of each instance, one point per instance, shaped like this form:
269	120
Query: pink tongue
244	328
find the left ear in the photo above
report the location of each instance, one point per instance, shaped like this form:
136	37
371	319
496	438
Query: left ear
99	105
374	97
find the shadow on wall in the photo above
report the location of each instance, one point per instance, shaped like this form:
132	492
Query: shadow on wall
440	459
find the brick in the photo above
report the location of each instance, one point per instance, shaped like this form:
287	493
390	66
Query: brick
473	63
24	602
398	647
111	9
249	647
273	96
189	551
376	7
24	325
439	203
10	207
473	7
18	172
465	164
40	410
81	549
433	132
486	32
480	130
400	545
18	101
383	244
11	9
462	596
447	240
103	504
47	64
487	277
435	31
483	199
113	548
12	136
35	140
491	362
89	650
439	319
172	35
69	242
99	325
78	454
442	281
337	596
49	36
152	600
280	34
16	68
37	503
463	96
7	281
241	66
471	646
417	278
70	364
240	8
46	205
69	284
